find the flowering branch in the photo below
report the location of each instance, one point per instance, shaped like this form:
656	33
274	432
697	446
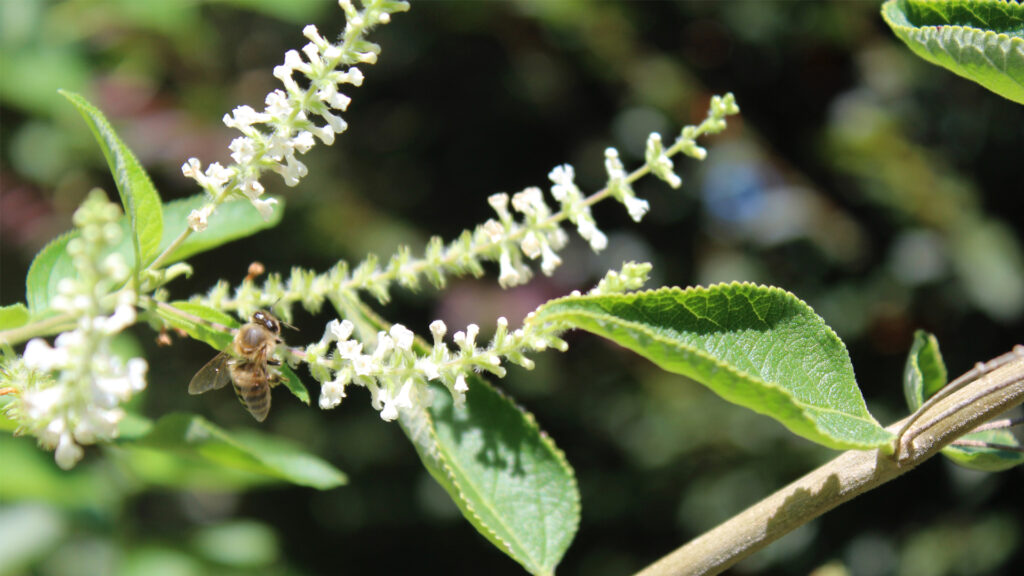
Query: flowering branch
70	394
286	117
504	240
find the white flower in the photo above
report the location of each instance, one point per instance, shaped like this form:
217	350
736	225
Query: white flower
265	207
636	207
40	356
332	392
350	349
363	365
438	329
550	260
494	230
588	230
507	273
340	330
401	400
403	337
429	368
531	245
68	453
197	220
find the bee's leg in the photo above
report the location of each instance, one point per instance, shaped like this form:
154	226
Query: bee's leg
275	377
274	362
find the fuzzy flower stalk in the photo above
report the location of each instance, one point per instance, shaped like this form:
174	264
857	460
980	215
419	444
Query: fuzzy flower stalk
307	108
70	394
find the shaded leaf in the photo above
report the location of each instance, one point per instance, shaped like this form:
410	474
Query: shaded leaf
756	346
245	450
981	40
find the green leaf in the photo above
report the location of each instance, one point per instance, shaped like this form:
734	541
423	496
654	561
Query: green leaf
924	375
49	267
506	476
202	328
981	40
138	196
294	385
983	458
232	220
13	315
199	327
245	450
755	346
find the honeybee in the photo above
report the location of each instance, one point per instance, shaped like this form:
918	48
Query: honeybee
247	363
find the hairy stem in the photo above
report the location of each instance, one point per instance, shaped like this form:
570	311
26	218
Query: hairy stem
850	474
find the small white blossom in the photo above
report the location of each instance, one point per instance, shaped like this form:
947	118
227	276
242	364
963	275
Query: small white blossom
429	368
494	230
531	245
403	337
331	393
438	329
549	260
197	219
340	330
636	207
507	274
403	399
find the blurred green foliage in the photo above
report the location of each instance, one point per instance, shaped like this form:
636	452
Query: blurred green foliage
876	187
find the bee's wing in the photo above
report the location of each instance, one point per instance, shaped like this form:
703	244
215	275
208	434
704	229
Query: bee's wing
212	376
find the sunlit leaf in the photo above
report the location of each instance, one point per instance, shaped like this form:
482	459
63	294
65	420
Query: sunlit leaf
49	267
201	323
924	375
981	40
232	220
756	346
244	450
506	476
13	316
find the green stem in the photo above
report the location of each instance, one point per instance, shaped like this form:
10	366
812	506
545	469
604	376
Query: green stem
45	327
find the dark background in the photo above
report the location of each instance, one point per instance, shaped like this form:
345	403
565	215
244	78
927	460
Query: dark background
876	187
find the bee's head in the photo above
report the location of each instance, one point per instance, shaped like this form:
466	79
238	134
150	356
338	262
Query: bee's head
267	320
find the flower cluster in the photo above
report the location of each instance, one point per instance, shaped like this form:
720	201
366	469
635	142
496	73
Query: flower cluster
396	370
271	138
70	394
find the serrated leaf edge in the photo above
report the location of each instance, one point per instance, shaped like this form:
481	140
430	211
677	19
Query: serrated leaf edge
728	367
445	463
